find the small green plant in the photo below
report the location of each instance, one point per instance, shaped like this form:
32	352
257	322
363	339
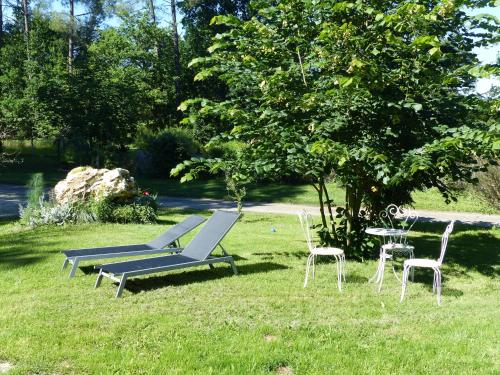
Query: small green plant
34	198
142	209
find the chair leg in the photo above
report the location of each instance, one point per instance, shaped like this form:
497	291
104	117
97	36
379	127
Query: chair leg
434	281
381	275
119	291
308	265
211	266
375	278
74	268
405	280
438	286
343	267
412	255
339	271
314	266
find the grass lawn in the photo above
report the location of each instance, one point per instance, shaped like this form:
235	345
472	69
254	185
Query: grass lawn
44	160
206	321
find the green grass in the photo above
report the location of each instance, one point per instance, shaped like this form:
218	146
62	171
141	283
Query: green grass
44	160
204	321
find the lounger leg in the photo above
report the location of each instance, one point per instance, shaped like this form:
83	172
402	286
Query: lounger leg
98	281
211	266
74	268
65	264
121	286
233	266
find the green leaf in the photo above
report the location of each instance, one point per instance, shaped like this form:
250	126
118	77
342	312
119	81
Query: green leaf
203	75
435	52
214	47
187	177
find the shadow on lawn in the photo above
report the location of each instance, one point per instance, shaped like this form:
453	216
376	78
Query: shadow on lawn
200	275
20	249
469	248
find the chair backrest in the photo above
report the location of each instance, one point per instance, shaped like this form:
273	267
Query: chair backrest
177	231
212	233
395	217
388	215
444	241
305	219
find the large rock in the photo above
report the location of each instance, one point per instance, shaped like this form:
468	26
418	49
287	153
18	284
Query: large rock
85	183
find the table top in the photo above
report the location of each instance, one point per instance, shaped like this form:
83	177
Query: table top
385	231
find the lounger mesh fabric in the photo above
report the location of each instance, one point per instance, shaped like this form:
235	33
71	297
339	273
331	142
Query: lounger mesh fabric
210	235
143	264
107	250
163	240
176	231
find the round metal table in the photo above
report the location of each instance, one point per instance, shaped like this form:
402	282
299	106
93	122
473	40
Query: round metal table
387	235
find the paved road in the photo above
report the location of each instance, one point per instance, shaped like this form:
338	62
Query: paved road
11	196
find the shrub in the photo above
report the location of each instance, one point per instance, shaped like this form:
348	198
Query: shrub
134	213
48	212
142	209
488	186
161	151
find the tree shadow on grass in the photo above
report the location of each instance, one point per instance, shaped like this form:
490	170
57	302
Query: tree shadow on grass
352	278
20	249
288	254
469	250
199	275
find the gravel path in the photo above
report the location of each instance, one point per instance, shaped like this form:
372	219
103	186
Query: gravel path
11	196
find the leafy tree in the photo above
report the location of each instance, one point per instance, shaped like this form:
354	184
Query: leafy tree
377	95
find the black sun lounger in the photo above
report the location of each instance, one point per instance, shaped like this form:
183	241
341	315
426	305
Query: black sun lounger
196	253
158	245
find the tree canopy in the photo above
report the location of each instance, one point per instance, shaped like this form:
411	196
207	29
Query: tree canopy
377	95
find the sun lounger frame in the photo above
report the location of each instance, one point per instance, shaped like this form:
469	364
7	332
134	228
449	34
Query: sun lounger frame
122	277
173	247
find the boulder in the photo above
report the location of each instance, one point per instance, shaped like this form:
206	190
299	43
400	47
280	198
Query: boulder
85	183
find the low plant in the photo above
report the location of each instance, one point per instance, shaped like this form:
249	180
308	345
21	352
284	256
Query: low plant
47	212
141	209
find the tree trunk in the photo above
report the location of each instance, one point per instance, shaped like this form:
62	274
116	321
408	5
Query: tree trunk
1	23
152	12
353	205
177	54
71	35
26	26
330	211
319	190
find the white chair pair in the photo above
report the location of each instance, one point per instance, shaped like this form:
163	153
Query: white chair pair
306	223
435	265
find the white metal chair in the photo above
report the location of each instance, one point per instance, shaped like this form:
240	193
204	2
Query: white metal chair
395	217
429	263
306	222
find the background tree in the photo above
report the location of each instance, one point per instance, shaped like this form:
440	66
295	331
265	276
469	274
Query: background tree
376	95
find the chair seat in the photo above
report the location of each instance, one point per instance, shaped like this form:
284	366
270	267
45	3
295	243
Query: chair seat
428	263
327	251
